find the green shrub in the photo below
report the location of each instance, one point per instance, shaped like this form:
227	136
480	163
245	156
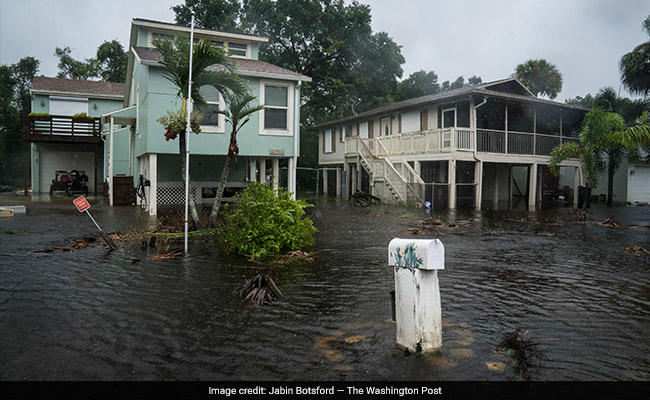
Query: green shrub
81	115
262	223
33	114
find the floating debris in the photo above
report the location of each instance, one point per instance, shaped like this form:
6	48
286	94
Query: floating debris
521	350
354	339
169	254
259	290
611	222
363	199
638	251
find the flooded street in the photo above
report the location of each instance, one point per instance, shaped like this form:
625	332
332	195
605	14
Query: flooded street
91	314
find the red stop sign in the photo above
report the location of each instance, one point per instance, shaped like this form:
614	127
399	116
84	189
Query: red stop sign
81	203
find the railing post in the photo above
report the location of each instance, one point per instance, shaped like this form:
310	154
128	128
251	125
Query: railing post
418	312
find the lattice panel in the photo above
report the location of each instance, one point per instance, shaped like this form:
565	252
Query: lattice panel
173	193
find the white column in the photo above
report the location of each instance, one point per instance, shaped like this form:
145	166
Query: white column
532	187
276	174
153	182
478	179
451	176
263	170
576	183
110	162
252	171
346	170
325	171
292	177
338	182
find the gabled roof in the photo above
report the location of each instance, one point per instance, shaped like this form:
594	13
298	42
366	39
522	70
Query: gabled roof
509	88
77	87
244	66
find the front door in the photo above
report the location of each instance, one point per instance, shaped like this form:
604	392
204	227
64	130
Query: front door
385	127
449	118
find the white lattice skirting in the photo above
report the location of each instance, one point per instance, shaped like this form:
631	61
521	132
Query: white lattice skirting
173	193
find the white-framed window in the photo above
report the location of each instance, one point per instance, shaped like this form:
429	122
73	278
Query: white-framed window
237	49
363	130
328	140
411	121
344	133
277	117
160	36
68	106
212	120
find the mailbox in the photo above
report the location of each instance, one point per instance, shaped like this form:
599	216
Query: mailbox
416	253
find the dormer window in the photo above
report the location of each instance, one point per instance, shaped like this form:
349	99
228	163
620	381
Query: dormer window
237	49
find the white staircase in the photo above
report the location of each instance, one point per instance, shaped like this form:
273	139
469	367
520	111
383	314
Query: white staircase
392	181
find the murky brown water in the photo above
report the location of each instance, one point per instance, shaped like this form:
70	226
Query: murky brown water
95	315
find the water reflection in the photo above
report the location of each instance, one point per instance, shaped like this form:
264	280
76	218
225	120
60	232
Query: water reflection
90	314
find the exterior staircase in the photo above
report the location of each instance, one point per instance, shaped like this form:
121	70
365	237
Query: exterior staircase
392	181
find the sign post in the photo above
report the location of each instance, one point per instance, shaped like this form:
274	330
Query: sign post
82	205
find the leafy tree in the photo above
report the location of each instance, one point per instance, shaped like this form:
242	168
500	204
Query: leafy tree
175	63
111	61
264	223
238	111
635	66
109	64
603	132
71	68
540	77
419	83
210	14
15	100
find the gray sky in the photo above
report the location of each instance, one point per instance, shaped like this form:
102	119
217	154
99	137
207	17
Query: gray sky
583	38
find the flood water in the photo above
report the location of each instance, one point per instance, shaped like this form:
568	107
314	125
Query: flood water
91	314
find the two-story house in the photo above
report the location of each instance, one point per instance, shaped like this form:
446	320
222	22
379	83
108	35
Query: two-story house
483	147
134	145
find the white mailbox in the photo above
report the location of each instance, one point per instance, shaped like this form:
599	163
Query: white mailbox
416	253
418	313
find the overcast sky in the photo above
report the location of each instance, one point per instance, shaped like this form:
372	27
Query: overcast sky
583	38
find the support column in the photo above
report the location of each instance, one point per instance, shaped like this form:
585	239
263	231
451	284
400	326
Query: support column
353	177
291	178
263	170
346	171
27	161
532	187
338	182
496	186
252	171
325	172
478	180
276	174
110	162
451	176
153	184
576	183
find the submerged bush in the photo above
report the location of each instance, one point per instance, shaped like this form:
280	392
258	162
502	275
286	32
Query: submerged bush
265	223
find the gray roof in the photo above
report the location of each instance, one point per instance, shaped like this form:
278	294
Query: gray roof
244	66
77	86
480	89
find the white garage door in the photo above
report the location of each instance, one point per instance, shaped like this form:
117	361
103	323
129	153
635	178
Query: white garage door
52	161
639	185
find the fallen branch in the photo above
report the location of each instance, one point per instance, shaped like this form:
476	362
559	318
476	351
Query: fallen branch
259	290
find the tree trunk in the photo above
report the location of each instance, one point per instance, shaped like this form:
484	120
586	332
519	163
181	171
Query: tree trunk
224	177
194	215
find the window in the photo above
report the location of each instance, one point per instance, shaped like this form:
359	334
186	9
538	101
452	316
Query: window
363	130
237	49
68	106
160	36
344	134
327	141
276	118
212	121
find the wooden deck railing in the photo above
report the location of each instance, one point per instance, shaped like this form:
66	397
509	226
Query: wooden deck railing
61	128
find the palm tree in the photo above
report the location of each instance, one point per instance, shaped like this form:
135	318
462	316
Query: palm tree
210	66
635	66
540	77
237	113
602	132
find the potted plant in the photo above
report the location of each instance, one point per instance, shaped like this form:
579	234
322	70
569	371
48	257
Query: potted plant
82	117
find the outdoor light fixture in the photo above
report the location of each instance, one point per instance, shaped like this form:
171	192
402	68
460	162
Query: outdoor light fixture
94	106
42	103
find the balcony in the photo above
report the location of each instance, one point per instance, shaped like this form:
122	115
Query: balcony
60	128
460	139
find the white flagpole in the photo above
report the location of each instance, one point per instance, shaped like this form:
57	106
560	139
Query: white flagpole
187	137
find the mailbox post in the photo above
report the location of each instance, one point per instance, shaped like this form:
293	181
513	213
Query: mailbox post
418	314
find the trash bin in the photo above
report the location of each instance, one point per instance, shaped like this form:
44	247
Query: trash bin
584	196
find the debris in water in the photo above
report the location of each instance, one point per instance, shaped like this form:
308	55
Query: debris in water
638	251
521	350
259	290
363	199
169	254
611	222
354	339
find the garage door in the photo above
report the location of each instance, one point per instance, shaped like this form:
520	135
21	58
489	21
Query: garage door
639	185
52	161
